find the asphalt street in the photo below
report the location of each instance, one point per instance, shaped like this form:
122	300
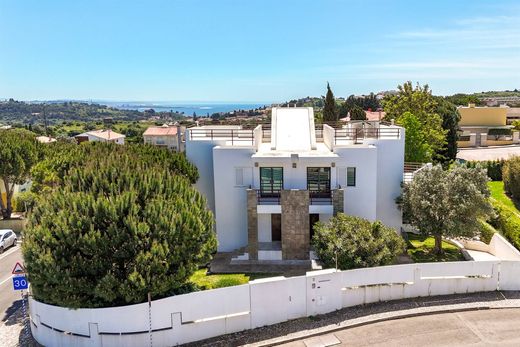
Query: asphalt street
493	327
10	300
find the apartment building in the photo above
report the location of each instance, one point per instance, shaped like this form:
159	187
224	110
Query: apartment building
168	136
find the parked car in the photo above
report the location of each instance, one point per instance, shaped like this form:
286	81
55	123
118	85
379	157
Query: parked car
7	239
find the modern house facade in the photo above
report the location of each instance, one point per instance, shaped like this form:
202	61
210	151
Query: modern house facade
267	186
169	136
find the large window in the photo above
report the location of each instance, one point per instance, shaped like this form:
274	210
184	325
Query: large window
318	181
271	181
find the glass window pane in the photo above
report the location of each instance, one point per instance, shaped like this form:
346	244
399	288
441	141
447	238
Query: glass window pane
351	176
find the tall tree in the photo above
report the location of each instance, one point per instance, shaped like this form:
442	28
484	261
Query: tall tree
116	228
416	148
19	151
421	103
357	113
450	123
447	202
330	110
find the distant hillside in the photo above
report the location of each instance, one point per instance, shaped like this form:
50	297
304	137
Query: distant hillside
12	112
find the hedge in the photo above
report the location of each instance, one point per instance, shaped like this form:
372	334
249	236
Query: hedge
507	221
493	168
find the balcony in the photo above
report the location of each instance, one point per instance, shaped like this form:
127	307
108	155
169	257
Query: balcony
315	198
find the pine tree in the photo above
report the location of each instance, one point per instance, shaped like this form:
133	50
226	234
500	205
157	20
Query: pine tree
123	221
330	111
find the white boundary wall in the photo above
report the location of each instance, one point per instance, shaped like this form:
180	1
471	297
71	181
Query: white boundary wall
195	316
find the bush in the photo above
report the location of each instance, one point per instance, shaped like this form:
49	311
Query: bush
24	201
114	229
498	132
493	168
486	232
356	243
511	177
507	221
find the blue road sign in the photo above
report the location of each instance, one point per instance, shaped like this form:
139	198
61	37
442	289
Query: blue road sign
20	283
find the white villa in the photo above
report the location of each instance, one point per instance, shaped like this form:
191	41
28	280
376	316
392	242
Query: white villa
267	186
101	136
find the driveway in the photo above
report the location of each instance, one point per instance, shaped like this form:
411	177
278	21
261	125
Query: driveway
494	327
488	153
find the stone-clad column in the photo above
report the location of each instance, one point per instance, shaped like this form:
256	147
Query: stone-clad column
295	224
252	224
338	201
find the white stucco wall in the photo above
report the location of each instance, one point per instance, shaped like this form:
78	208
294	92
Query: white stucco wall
231	200
264	228
196	316
359	200
390	166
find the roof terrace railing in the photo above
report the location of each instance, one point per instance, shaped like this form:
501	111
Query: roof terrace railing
236	136
357	135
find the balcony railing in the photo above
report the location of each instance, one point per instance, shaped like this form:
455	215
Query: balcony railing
315	198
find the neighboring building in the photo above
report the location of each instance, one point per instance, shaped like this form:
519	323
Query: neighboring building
513	113
164	136
268	186
483	126
45	139
102	136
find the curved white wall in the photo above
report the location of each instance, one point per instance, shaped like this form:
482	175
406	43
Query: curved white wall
196	316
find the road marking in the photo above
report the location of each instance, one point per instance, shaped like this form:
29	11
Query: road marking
7	279
11	251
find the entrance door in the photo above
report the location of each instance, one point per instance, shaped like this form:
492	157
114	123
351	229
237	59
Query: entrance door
313	219
276	227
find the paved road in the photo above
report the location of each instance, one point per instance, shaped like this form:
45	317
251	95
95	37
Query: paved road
9	299
494	327
491	153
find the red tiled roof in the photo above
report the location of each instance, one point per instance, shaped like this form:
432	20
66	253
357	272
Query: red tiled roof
161	131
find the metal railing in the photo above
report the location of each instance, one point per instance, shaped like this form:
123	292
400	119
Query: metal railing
315	198
236	136
357	135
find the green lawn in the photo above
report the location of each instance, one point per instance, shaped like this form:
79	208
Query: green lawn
420	249
204	281
498	193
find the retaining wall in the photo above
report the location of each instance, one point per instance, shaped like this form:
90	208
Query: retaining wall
195	316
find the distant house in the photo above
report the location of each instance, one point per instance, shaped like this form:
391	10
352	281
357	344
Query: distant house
484	126
164	136
45	139
101	136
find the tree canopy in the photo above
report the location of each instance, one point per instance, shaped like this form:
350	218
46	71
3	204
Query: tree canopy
116	223
420	102
19	151
447	202
355	242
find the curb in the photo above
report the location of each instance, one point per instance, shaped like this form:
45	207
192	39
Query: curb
385	319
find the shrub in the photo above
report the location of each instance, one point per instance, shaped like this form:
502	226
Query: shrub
511	177
114	229
493	168
486	231
507	221
498	132
24	202
356	243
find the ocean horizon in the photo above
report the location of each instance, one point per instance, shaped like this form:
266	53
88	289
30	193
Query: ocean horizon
201	109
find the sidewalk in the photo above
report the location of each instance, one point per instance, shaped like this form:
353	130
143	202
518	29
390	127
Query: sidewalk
362	315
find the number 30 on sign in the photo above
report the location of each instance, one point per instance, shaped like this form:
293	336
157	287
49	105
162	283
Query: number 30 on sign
20	283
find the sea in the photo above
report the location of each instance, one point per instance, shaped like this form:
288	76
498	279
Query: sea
201	109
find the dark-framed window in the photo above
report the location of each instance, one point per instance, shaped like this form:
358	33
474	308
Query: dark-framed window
271	181
351	176
318	181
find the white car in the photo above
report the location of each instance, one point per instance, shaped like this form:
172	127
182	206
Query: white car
7	239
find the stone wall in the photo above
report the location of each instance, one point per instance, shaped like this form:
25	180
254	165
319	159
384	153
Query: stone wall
252	224
295	224
338	201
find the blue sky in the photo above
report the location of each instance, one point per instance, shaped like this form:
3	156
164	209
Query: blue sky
255	50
